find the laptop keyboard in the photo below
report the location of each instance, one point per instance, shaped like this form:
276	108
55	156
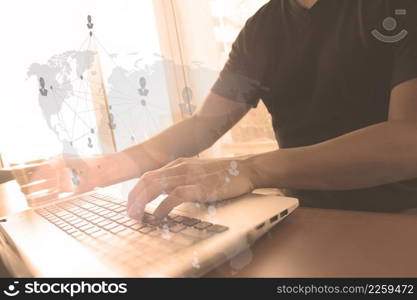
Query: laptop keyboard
101	222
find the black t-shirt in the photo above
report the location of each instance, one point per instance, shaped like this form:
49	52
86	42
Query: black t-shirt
324	72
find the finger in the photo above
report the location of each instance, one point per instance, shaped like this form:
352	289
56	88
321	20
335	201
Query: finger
38	161
34	172
39	186
151	187
179	195
37	199
148	189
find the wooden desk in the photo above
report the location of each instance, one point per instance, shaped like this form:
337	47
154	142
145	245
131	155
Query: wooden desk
334	243
313	243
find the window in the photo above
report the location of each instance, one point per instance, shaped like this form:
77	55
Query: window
206	30
145	65
54	99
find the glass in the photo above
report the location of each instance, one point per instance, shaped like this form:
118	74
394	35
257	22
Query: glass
53	71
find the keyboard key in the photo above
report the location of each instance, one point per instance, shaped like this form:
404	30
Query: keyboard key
146	229
126	232
202	225
76	222
81	236
62	213
123	220
65	227
190	221
92	217
77	210
116	217
104	223
77	234
196	234
69	229
179	219
97	210
113	206
119	209
105	212
131	222
82	223
98	220
137	226
109	214
98	233
92	230
83	213
85	227
105	237
117	229
177	228
71	219
217	228
88	206
110	226
60	223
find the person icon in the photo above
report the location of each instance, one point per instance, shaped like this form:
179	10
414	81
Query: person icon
90	143
90	25
112	124
143	91
187	95
187	107
75	178
42	90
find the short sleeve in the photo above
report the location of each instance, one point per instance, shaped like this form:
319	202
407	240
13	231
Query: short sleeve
241	78
405	50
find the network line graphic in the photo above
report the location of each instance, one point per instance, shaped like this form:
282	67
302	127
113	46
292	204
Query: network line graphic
84	112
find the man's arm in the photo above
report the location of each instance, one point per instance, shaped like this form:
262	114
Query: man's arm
185	139
372	156
189	137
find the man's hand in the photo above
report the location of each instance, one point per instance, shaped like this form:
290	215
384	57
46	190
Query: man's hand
190	180
47	179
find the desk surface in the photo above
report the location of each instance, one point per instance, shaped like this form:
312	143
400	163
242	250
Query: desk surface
313	243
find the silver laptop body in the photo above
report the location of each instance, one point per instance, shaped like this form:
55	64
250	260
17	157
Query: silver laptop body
92	236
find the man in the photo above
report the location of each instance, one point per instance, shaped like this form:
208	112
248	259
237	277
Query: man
344	106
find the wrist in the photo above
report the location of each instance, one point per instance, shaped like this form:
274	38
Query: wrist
267	170
118	167
253	174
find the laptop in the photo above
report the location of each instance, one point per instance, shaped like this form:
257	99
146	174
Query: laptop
91	235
